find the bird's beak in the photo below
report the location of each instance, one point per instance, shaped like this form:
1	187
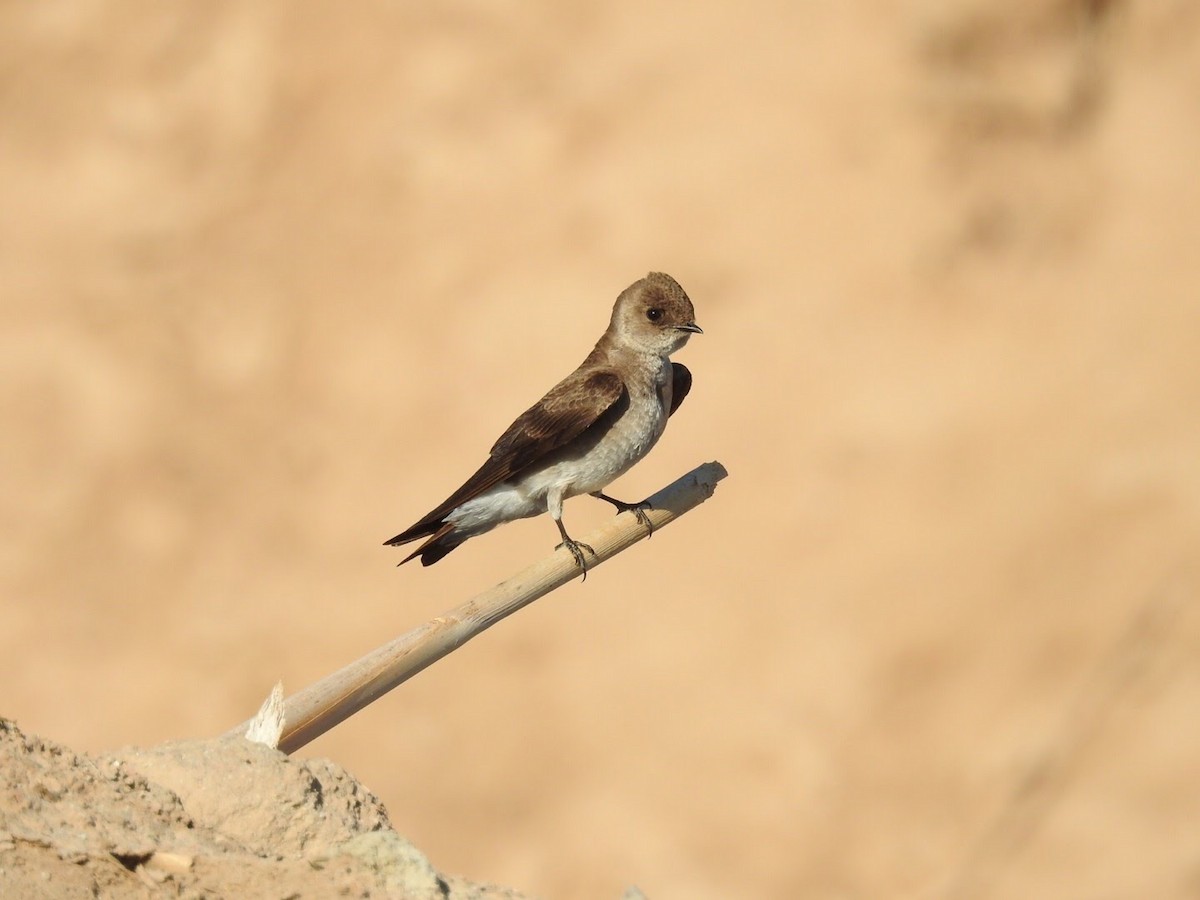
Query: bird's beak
692	327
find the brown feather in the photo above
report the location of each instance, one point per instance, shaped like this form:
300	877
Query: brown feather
681	384
569	409
432	546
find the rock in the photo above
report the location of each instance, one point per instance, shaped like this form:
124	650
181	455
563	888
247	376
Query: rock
223	817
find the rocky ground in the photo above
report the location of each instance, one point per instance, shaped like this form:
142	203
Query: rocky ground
193	819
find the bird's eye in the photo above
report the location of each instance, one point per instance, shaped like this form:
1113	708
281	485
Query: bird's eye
654	314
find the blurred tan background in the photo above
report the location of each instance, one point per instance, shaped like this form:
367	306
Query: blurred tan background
275	275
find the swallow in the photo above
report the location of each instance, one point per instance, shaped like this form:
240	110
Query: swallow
588	430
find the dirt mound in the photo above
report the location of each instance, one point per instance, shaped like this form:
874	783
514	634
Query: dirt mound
221	817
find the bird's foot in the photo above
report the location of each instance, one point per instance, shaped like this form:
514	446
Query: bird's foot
577	549
638	509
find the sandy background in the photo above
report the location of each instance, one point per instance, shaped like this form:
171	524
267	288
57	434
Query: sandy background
274	276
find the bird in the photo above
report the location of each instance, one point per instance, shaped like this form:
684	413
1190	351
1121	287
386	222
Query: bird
589	429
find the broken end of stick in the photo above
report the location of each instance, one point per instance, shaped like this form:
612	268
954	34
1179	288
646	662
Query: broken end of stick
675	495
708	475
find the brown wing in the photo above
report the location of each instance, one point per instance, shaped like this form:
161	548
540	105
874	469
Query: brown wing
681	383
561	416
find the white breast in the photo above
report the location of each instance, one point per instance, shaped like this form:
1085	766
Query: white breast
628	440
590	469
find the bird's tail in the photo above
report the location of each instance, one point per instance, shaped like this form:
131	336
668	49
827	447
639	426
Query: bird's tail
441	540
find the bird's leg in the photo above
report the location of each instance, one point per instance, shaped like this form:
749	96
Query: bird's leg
575	547
638	509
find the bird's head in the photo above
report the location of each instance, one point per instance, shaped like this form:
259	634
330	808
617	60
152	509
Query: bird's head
654	315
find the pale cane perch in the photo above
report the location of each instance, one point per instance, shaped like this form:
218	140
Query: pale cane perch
322	705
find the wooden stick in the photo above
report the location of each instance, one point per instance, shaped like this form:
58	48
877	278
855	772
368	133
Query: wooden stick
319	707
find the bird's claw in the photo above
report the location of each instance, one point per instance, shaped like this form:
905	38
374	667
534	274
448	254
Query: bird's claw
577	549
638	509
